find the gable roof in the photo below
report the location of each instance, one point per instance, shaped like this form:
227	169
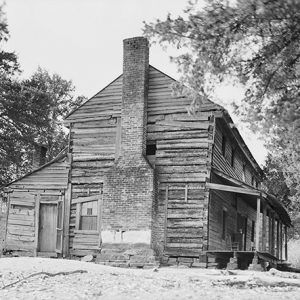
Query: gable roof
61	155
108	101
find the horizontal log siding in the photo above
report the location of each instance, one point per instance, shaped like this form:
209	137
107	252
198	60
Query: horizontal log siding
161	97
21	218
51	179
94	140
186	219
21	222
182	160
83	243
224	163
107	102
53	176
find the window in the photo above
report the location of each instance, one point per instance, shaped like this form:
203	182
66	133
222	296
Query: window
151	149
252	231
224	223
88	216
244	173
253	180
223	145
232	156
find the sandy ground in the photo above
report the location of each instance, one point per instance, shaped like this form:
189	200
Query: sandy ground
103	282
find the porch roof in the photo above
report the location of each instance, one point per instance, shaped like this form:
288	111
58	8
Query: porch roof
236	186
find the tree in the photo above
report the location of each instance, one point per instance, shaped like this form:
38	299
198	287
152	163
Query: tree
8	60
31	114
252	42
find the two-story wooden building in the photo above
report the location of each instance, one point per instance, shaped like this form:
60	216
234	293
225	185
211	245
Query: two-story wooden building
143	181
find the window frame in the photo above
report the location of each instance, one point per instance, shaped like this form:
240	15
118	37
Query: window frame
223	145
79	201
233	155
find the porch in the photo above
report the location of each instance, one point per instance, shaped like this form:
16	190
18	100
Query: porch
268	232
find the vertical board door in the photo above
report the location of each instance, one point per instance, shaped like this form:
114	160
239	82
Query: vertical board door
241	236
47	227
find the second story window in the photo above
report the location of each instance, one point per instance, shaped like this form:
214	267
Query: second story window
232	156
244	172
151	149
223	145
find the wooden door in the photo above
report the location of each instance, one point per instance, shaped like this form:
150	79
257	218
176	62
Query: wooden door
241	231
47	227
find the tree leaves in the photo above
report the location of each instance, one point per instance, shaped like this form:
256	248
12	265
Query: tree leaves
257	44
31	113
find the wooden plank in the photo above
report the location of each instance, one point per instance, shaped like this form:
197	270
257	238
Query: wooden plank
85	199
37	221
166	215
233	189
99	225
264	229
78	214
67	213
257	233
6	220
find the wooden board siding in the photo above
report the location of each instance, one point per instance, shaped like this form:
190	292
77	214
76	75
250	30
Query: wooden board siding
94	140
53	176
184	211
49	182
83	242
223	163
162	99
105	103
21	222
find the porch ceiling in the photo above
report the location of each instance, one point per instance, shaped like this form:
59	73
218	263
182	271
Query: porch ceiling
235	186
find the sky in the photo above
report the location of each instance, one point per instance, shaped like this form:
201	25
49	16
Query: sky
81	40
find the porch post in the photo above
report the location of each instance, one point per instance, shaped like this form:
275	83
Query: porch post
270	232
273	233
280	239
264	229
285	242
257	224
277	239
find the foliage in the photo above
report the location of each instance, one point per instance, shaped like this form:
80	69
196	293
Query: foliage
274	180
251	42
31	112
8	60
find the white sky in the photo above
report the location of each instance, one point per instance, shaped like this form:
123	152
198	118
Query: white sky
82	40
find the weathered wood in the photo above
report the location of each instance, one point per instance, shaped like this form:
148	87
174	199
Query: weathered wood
6	220
233	189
37	222
85	199
166	216
257	233
78	214
264	228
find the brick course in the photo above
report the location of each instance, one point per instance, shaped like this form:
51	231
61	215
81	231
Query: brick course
128	189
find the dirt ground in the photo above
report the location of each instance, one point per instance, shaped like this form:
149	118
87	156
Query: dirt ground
104	282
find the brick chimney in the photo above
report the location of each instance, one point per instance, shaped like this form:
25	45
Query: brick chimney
128	187
39	156
134	98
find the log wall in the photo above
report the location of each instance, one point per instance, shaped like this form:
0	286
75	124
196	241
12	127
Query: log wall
48	183
182	165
